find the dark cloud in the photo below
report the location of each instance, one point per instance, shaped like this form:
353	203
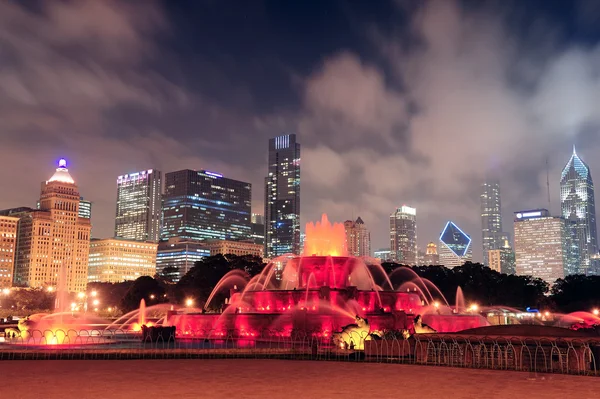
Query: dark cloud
400	104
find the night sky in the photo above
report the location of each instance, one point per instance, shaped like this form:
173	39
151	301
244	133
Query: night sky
394	102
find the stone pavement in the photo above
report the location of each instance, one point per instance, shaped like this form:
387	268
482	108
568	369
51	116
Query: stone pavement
273	379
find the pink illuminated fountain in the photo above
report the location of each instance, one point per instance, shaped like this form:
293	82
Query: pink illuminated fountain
319	292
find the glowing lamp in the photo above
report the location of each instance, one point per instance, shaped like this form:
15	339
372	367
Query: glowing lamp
80	295
596	312
6	291
62	163
436	304
94	293
152	296
474	307
96	302
50	289
189	302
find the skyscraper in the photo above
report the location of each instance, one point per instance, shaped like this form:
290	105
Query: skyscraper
358	238
491	218
85	209
579	208
8	248
282	197
403	235
541	245
502	260
202	205
455	246
53	241
139	206
176	256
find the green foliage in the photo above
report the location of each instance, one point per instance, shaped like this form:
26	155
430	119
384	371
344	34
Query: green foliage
577	292
143	288
485	286
199	282
28	299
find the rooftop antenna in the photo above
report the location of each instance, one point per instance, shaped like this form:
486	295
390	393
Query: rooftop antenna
548	182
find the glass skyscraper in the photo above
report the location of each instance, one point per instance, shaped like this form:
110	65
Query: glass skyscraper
202	205
139	206
579	209
282	197
491	218
403	235
455	246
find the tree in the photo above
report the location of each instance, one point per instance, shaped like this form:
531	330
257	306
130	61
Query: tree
143	288
577	292
201	279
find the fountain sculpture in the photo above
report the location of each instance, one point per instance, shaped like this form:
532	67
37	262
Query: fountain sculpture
318	293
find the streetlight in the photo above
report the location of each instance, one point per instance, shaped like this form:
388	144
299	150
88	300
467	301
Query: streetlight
474	307
94	293
50	289
95	302
596	312
152	296
6	291
80	295
189	302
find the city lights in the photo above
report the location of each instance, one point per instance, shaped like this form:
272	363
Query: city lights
80	295
189	302
152	296
6	291
94	293
50	289
474	307
596	312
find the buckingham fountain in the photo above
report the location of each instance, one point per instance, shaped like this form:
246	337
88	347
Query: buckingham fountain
322	292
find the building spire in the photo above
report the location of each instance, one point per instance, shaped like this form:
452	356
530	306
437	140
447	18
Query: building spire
574	151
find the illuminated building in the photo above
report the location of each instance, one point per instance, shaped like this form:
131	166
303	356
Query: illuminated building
8	244
431	255
491	218
139	206
85	208
202	205
579	209
455	246
53	241
541	245
502	260
282	197
258	229
114	260
403	235
358	238
383	254
239	248
176	256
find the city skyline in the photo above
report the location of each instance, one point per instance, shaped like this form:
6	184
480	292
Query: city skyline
379	121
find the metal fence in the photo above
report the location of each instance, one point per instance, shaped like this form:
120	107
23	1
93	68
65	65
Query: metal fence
540	354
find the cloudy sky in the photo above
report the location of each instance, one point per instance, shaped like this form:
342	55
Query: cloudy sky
394	102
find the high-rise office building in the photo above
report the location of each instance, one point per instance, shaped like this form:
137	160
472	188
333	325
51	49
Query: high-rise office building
431	255
491	218
176	256
282	197
541	245
53	241
139	206
403	235
202	205
455	246
358	238
258	230
114	260
8	247
579	209
85	208
502	260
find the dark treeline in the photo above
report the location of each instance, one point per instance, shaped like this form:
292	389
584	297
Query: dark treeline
479	284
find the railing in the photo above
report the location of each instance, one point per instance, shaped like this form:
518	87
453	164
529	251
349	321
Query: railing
532	354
